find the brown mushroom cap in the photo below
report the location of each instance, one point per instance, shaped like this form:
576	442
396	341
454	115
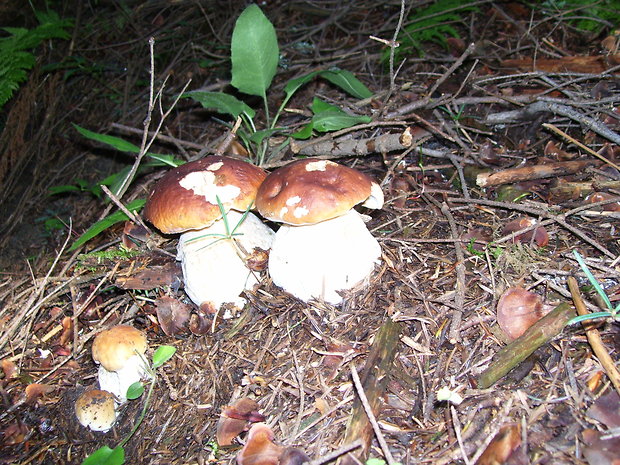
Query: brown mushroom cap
186	197
113	347
312	190
96	410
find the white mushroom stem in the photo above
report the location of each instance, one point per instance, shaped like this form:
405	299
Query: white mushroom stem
316	261
214	267
117	382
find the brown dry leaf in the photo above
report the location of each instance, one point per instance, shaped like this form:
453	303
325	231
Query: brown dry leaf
478	238
15	433
541	237
151	277
579	64
606	409
601	196
173	315
234	419
134	235
600	451
35	390
293	456
67	331
257	260
517	310
553	151
259	448
9	369
502	447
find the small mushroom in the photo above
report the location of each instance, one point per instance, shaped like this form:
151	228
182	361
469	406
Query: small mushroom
188	200
96	410
120	352
323	247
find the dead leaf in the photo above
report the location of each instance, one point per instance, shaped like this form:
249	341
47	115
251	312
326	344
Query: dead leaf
173	315
234	420
293	456
517	310
606	409
541	237
9	369
67	331
600	451
259	448
553	151
15	433
35	390
502	447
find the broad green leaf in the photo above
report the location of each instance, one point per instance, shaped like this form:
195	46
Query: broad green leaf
164	160
347	82
106	456
221	102
116	142
305	132
294	84
330	121
319	106
55	190
162	355
105	223
254	52
135	390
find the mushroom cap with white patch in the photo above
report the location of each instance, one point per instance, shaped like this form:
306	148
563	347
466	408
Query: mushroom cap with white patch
187	197
312	190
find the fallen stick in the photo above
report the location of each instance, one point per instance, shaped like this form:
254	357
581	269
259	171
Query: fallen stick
374	380
541	332
526	173
381	144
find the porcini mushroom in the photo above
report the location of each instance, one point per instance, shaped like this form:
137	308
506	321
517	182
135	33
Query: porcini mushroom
96	410
323	247
120	352
189	200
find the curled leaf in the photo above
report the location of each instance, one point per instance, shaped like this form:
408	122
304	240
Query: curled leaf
517	310
234	420
259	448
540	235
173	315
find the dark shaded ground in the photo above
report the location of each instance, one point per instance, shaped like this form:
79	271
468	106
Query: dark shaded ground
295	358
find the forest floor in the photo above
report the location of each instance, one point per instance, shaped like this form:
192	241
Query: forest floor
500	123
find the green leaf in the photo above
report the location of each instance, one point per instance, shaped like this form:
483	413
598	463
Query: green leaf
221	102
592	280
116	142
105	223
294	84
320	106
162	355
258	136
330	121
135	390
106	456
55	190
254	52
347	82
305	132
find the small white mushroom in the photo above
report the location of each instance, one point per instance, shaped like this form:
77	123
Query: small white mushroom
96	410
120	352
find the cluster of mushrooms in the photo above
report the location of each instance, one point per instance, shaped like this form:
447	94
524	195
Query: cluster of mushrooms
120	353
321	249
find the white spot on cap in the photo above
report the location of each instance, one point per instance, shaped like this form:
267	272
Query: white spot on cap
300	211
203	183
283	211
319	165
293	201
215	166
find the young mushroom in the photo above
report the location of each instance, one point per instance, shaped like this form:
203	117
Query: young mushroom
96	410
208	201
323	247
120	352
